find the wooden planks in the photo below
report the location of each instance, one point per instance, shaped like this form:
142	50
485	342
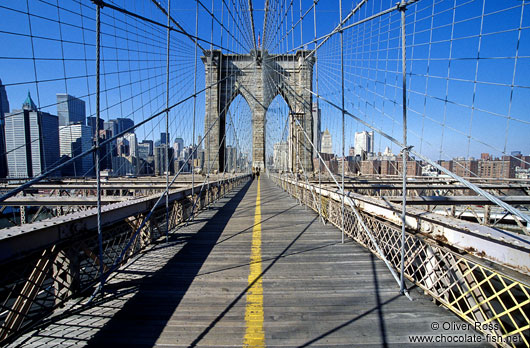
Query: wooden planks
192	291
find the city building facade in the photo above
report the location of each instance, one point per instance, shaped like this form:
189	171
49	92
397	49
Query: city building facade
75	139
70	110
32	141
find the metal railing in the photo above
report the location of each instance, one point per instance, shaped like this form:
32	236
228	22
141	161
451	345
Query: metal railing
45	264
494	299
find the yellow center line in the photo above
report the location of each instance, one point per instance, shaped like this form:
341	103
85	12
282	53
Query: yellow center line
255	335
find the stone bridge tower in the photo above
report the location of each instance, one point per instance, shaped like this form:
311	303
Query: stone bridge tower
259	78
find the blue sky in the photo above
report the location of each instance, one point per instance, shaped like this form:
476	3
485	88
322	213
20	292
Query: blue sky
461	103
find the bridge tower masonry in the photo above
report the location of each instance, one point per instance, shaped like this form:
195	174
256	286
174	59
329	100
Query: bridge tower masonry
259	77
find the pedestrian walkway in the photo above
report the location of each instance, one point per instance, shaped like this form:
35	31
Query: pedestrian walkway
253	272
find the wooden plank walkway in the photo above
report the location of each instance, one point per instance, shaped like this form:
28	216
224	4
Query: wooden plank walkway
193	290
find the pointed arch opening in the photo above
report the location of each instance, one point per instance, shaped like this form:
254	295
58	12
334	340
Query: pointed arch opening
277	134
238	135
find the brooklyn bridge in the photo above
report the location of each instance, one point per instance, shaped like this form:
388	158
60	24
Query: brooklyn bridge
342	174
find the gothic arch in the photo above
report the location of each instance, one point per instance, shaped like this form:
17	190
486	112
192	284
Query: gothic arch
258	78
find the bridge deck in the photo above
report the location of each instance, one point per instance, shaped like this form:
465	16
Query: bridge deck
193	290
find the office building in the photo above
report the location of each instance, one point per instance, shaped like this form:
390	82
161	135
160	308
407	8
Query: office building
122	146
133	144
164	137
178	147
149	145
105	151
124	124
124	165
280	156
326	144
143	151
160	160
230	158
75	139
32	141
70	110
112	126
364	144
91	122
4	109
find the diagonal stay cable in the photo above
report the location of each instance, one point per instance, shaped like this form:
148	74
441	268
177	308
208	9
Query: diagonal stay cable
463	181
107	141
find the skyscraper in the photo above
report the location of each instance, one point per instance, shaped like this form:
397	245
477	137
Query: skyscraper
149	144
178	146
91	122
32	141
70	110
75	139
280	156
160	160
133	144
143	151
327	145
105	151
124	124
164	137
364	143
230	158
4	109
111	125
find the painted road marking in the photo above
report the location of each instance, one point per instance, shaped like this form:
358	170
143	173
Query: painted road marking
255	335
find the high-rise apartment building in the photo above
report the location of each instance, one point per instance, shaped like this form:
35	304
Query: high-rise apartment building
75	139
465	168
32	141
70	110
498	168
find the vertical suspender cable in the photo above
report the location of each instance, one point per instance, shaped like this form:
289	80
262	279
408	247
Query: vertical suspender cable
98	111
210	104
317	113
195	149
301	26
405	152
167	117
342	95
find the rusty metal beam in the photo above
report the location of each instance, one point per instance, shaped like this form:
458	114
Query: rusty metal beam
30	237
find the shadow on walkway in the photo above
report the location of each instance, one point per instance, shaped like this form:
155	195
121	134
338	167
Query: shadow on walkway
143	317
